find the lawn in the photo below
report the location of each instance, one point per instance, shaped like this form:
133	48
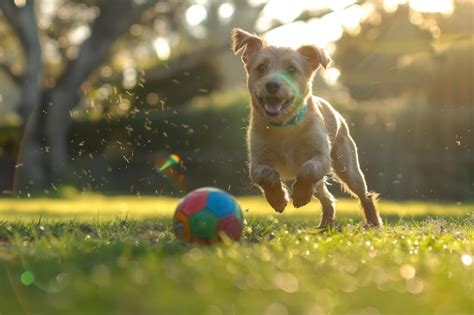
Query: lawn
118	255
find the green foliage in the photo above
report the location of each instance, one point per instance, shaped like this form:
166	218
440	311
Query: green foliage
283	265
410	150
208	134
370	59
10	138
453	78
408	52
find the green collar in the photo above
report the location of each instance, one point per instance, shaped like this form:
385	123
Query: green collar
294	120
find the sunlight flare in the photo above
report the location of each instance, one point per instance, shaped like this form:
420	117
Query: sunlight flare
466	259
433	6
162	48
196	14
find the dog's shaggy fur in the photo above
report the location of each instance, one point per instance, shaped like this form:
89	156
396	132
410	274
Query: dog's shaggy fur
305	150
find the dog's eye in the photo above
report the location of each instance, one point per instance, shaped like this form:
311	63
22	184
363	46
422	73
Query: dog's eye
291	69
261	68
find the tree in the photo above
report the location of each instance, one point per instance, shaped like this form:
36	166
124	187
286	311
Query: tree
45	111
372	60
408	51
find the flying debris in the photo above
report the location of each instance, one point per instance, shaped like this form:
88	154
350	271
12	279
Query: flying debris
172	160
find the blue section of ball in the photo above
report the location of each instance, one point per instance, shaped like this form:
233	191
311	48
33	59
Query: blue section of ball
238	213
221	204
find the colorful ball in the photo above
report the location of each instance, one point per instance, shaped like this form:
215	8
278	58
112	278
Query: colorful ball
206	214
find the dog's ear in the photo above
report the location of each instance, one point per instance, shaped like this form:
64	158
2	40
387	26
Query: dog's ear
315	56
245	43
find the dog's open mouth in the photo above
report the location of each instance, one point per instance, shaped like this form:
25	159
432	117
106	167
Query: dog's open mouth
273	106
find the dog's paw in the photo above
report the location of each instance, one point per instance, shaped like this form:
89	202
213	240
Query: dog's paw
277	198
302	193
326	224
375	224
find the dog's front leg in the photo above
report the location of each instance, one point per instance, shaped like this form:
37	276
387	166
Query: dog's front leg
311	173
270	183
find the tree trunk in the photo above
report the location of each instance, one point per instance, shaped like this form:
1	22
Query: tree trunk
30	173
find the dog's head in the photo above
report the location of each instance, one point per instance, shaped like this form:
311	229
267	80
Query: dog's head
279	79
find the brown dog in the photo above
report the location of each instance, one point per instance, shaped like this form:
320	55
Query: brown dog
294	135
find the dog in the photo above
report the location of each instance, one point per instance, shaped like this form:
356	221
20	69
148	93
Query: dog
295	136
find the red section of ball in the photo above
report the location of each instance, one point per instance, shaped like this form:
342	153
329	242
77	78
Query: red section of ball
193	202
230	226
181	227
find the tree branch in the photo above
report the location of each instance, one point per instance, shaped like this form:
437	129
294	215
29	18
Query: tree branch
185	62
308	15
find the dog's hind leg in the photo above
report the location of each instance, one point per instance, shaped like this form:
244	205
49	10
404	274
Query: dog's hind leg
346	167
328	204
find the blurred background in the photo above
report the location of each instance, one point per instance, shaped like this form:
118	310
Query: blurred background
96	95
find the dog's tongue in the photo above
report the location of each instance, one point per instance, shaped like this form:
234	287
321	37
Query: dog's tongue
272	110
273	106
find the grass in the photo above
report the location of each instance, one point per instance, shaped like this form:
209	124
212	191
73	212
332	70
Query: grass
99	255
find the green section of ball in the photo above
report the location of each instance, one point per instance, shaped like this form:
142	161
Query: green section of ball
203	225
27	278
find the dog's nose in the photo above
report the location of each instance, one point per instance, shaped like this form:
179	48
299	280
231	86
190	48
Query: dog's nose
272	87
